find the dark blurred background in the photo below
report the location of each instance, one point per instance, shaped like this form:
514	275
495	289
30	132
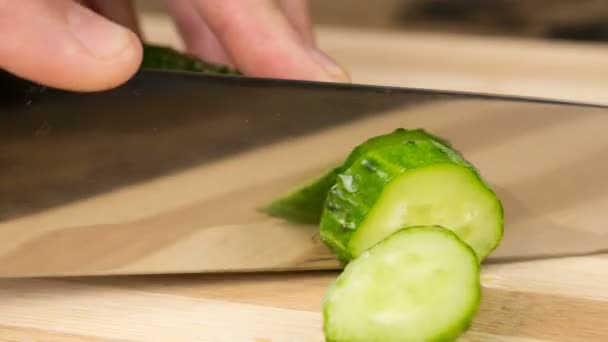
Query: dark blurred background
578	20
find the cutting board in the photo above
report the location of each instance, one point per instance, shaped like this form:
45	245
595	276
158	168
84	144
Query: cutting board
558	299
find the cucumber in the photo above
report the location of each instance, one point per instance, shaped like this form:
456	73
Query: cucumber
419	284
305	204
166	58
443	194
420	180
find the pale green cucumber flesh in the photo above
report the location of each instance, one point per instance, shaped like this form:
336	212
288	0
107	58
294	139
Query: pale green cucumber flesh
419	284
448	195
304	204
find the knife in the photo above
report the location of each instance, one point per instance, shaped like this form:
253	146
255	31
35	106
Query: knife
164	174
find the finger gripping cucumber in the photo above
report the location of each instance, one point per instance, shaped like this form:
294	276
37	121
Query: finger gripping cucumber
419	284
418	180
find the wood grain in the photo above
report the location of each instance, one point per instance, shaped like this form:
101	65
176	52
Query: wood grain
556	208
517	306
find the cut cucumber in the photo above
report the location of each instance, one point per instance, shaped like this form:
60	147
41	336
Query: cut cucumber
443	194
419	284
416	181
305	204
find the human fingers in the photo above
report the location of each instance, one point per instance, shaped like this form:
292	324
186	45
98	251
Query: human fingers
261	41
120	11
68	45
298	14
196	34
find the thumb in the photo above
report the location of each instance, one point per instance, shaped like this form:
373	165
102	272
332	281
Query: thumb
62	44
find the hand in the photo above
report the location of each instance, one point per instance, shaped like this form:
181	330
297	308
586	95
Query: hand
88	45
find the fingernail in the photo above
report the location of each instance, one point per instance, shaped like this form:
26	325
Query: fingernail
334	71
101	37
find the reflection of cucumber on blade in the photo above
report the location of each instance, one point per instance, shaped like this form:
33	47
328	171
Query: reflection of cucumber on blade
418	284
305	203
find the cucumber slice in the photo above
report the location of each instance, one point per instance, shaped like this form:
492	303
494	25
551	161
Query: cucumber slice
417	181
418	284
442	194
305	204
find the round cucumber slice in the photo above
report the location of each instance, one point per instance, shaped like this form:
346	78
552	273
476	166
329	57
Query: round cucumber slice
418	284
448	195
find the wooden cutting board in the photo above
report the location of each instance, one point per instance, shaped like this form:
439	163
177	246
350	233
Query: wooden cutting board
562	299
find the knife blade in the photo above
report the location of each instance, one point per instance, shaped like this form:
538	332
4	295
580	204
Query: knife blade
164	173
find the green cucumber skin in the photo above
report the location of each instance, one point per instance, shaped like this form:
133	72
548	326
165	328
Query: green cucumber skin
351	198
450	334
305	204
166	58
